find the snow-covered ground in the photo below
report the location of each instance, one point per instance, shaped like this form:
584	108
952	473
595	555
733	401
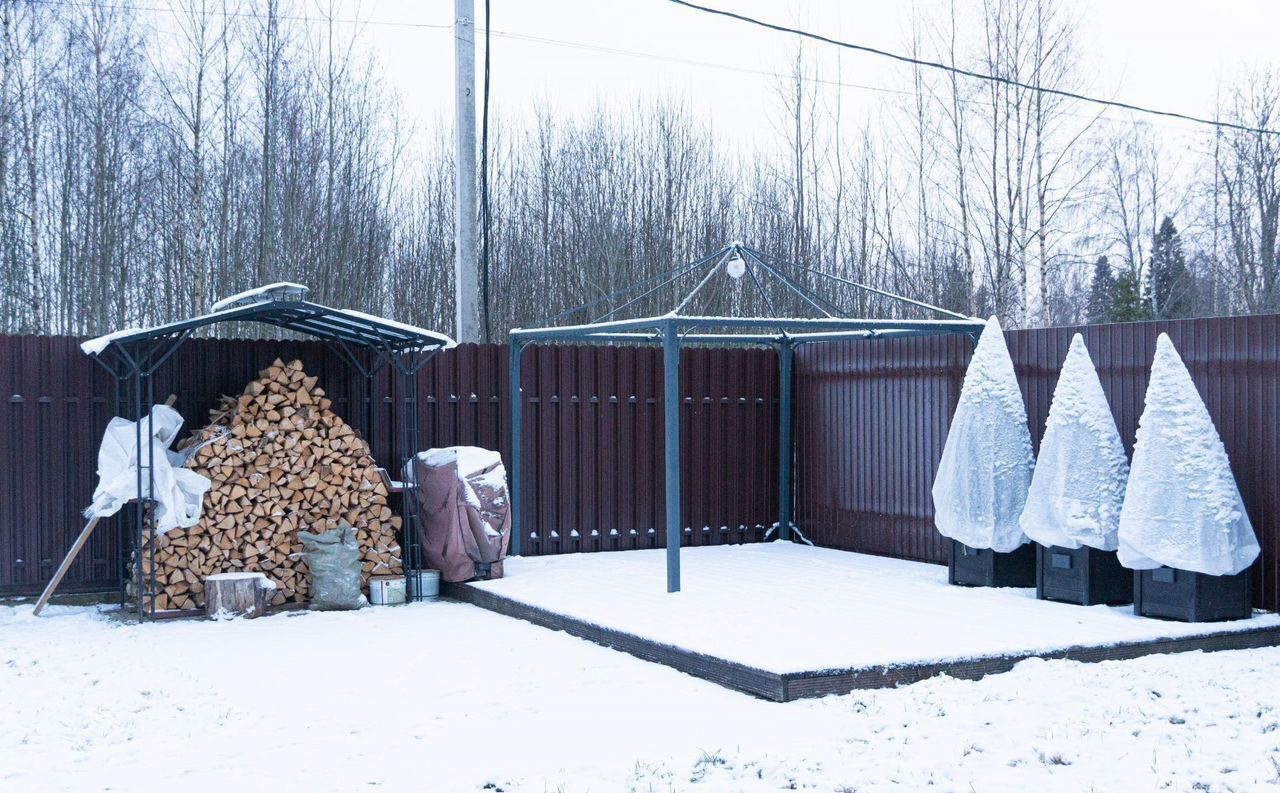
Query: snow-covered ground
446	697
786	607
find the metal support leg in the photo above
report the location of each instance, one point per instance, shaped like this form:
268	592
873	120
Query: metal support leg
150	503
370	415
785	453
135	541
671	457
411	542
125	520
516	392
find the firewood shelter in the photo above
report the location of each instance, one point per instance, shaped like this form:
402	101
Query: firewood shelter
735	295
367	343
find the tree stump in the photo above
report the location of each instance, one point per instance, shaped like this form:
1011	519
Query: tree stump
228	595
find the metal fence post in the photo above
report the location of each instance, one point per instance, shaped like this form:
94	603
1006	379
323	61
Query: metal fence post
671	457
786	482
516	396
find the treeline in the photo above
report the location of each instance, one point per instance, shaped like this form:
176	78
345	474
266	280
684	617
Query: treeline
151	162
150	165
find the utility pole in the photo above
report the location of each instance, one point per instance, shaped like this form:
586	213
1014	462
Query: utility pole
466	273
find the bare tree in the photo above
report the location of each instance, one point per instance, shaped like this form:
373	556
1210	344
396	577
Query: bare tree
1250	182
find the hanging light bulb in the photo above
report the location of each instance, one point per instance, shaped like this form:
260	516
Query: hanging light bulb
735	267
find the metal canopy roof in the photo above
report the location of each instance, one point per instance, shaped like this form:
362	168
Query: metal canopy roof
744	278
345	327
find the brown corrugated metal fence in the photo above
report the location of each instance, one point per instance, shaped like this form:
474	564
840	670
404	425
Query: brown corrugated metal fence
872	417
593	439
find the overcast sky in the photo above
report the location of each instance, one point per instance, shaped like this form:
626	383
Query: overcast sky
1171	54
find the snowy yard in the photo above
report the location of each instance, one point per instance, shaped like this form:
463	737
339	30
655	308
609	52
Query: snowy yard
785	607
447	697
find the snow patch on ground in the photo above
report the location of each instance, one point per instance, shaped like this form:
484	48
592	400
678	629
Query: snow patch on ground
448	698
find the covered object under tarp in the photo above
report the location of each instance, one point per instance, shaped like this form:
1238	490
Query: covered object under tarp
463	511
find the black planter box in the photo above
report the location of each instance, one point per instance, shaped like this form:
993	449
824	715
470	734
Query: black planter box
1082	575
985	567
1191	597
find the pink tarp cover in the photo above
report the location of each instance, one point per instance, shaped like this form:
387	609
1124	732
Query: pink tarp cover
464	522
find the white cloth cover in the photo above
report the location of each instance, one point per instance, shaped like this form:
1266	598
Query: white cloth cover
179	492
986	464
1077	489
1182	508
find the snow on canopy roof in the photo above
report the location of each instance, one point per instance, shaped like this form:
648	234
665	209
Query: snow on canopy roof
95	346
260	294
313	319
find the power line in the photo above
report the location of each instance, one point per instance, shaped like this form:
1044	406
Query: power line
527	38
554	42
969	73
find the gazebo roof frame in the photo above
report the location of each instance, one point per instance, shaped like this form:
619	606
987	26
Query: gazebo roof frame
676	327
832	323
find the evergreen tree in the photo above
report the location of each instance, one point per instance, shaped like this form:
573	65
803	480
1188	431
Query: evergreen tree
1130	305
1168	280
1102	293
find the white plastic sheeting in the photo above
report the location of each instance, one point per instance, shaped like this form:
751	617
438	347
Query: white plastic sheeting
179	492
1077	489
982	481
1182	508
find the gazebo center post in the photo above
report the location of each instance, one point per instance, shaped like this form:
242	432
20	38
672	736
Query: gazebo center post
671	456
786	354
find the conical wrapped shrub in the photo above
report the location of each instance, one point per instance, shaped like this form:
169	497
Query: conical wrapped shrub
982	480
280	461
1077	489
1182	508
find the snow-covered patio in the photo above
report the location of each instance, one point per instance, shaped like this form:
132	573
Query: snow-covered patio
800	612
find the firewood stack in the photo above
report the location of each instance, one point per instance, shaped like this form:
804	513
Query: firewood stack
280	461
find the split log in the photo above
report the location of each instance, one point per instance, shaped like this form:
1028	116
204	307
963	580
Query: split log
230	595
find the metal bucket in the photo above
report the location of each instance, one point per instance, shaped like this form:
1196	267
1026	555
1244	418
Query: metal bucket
386	590
426	582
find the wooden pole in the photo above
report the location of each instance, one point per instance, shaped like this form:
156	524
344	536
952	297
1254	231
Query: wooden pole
466	264
66	565
75	548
